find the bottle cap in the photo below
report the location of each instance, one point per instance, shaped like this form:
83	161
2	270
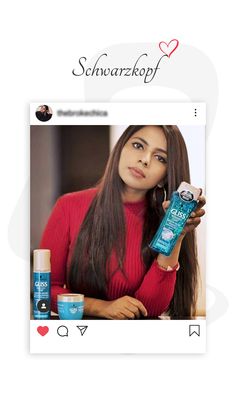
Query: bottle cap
188	192
42	260
70	298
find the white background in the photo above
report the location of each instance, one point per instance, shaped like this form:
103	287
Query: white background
40	42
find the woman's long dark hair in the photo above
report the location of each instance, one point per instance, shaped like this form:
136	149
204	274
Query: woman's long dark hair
103	229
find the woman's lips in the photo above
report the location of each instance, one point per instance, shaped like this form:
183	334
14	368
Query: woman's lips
136	172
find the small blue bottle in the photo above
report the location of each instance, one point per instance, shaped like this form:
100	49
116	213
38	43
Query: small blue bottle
183	202
42	284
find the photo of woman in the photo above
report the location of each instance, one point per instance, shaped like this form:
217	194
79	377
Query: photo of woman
99	237
43	113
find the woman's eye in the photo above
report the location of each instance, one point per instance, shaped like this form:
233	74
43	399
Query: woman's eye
137	145
161	158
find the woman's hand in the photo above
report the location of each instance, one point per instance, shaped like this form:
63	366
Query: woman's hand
195	217
124	308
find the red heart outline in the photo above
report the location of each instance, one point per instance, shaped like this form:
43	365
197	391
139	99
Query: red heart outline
42	330
167	45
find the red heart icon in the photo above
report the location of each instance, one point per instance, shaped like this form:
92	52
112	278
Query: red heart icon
168	49
42	330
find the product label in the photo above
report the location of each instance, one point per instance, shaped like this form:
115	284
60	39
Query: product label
70	310
42	295
186	196
178	213
167	234
173	223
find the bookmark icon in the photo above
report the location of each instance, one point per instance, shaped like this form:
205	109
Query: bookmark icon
194	329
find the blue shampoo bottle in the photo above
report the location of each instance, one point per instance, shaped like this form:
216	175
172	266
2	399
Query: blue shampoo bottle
42	284
183	202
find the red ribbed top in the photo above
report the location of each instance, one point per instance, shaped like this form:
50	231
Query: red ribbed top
154	288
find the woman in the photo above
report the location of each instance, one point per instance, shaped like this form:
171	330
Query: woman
99	237
44	113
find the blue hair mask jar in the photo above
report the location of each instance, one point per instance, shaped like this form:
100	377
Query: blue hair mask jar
70	306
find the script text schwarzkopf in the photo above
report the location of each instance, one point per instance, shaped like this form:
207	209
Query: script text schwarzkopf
138	69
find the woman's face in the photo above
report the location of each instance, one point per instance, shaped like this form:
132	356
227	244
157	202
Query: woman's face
143	160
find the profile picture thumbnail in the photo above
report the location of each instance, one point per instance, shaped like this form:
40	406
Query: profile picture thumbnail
43	113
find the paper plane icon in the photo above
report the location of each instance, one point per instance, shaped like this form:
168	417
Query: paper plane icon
82	329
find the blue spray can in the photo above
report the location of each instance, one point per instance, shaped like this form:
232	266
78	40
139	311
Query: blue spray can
42	283
183	202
